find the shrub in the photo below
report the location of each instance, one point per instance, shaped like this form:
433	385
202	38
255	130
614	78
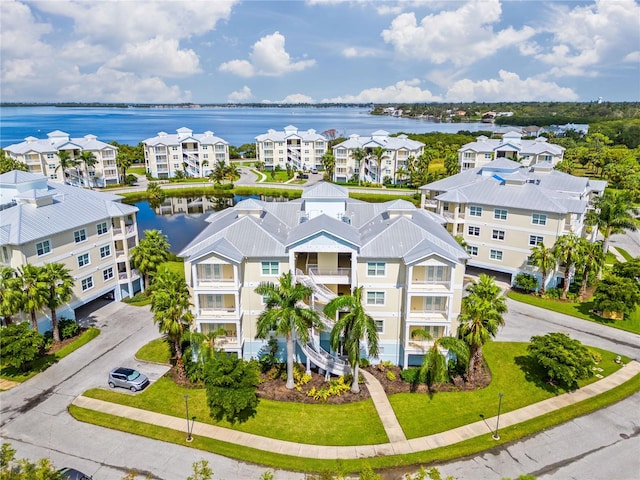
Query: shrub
565	360
68	328
391	376
364	363
526	282
616	294
20	345
333	388
553	293
300	376
410	375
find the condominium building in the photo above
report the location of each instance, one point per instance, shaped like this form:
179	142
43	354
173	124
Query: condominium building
503	209
512	147
91	233
410	268
196	155
378	158
42	158
300	150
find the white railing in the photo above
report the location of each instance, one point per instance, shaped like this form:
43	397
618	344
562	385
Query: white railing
333	272
322	293
218	312
324	360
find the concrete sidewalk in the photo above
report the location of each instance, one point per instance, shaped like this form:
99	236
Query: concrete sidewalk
400	446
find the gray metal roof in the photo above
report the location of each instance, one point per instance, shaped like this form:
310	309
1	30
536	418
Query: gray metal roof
58	141
289	132
183	133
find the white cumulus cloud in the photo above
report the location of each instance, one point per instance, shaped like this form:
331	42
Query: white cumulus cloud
404	91
241	95
268	57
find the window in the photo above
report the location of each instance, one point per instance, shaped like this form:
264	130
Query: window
107	274
535	240
497	234
475	211
174	148
487	156
80	235
437	273
83	260
473	251
210	271
87	283
499	214
270	268
42	248
49	155
539	219
176	166
379	325
52	166
376	269
474	231
435	304
105	251
102	228
530	261
375	298
213	301
496	255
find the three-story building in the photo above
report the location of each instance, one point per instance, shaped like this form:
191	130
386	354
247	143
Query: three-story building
301	150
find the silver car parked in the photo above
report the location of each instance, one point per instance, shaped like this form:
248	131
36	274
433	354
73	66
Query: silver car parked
127	378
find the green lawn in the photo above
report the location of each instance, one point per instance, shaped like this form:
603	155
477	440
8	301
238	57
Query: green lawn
630	323
136	170
513	375
280	177
41	364
351	424
627	256
156	351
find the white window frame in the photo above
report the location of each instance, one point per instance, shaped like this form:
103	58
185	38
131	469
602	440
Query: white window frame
496	255
475	211
500	214
535	240
102	228
473	231
107	274
87	283
82	258
80	236
539	219
498	235
43	248
105	251
379	325
376	298
472	250
268	264
374	270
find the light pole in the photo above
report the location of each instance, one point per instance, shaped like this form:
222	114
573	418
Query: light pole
186	402
495	436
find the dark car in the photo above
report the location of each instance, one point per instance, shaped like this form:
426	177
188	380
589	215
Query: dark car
127	378
73	474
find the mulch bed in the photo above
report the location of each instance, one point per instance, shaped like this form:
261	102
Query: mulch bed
63	343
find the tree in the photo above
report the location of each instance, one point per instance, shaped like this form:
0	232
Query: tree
231	386
217	175
35	290
613	213
543	258
526	281
629	269
123	162
8	164
152	251
593	258
358	155
10	294
451	164
481	316
89	160
20	345
231	172
565	360
60	288
434	368
285	314
65	163
352	326
566	251
171	311
23	469
329	164
616	294
379	154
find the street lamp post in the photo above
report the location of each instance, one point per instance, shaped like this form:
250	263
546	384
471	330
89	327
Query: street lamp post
495	436
186	402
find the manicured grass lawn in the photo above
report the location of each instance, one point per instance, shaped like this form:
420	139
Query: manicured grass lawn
350	424
176	267
136	170
41	364
627	256
631	323
155	351
513	375
280	177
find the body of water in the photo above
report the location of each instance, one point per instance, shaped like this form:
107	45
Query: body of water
238	125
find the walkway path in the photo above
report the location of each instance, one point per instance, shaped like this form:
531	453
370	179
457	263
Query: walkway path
394	447
383	406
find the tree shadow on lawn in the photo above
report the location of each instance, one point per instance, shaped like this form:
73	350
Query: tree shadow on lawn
534	373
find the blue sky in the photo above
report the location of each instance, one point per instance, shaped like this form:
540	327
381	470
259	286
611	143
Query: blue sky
319	51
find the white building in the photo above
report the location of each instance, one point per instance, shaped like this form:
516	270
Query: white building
300	150
91	233
194	154
41	156
503	209
512	147
395	155
411	270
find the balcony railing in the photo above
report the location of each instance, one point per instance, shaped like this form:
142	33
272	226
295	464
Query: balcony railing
128	230
430	284
216	282
218	312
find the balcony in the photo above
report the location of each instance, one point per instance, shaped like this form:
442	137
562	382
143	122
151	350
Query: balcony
218	312
429	286
430	316
330	275
122	276
129	230
216	283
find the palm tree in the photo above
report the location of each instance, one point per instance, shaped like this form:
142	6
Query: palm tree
155	194
351	328
218	174
329	164
60	288
35	290
10	294
231	172
123	162
286	315
66	162
481	316
543	258
566	250
171	311
150	253
358	155
434	368
379	154
613	213
593	259
89	160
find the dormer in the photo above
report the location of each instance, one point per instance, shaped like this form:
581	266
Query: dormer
249	208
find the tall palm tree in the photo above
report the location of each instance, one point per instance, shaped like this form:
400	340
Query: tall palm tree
286	315
482	311
566	250
123	162
593	258
613	213
434	368
89	160
231	172
66	162
543	258
358	155
60	288
218	173
353	326
10	294
150	253
329	164
35	290
379	154
171	311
